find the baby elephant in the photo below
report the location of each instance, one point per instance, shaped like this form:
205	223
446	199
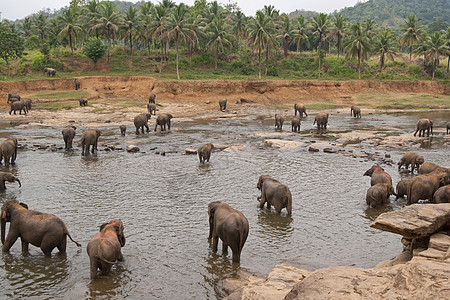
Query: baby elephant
104	248
295	124
278	122
402	187
411	158
68	135
83	102
4	176
223	104
378	194
228	224
151	108
123	130
442	195
204	152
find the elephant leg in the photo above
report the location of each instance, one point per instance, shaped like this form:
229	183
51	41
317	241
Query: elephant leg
63	245
25	245
236	255
215	242
148	130
262	201
224	247
12	237
106	268
93	267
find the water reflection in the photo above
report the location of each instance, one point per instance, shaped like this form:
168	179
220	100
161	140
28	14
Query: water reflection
275	225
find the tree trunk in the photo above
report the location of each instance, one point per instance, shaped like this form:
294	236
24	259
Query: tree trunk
131	42
320	46
359	66
217	52
410	54
381	64
259	62
176	50
70	42
109	42
267	58
448	64
285	48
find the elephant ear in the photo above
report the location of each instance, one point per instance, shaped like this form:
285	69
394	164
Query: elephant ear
103	226
24	205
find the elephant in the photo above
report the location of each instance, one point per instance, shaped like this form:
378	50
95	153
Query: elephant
274	193
204	152
442	195
448	127
278	122
27	103
152	98
378	194
356	111
4	176
83	101
68	135
18	105
13	98
428	167
162	120
295	124
223	104
104	248
322	120
151	108
300	108
89	138
422	125
123	130
140	121
402	187
378	175
8	151
228	224
77	84
411	158
42	230
423	187
50	72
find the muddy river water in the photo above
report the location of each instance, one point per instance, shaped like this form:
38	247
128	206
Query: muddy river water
162	201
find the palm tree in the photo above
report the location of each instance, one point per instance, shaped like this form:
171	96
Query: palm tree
131	20
300	32
357	46
218	37
144	26
447	37
91	14
320	26
239	21
385	45
273	15
436	44
287	34
369	27
158	28
338	30
411	34
25	27
71	26
40	25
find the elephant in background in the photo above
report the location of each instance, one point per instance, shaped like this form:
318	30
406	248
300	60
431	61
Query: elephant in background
278	122
322	120
123	130
428	167
411	158
378	194
402	187
89	138
356	111
423	187
223	104
68	135
27	104
18	105
50	72
448	127
274	193
42	230
83	101
104	248
378	175
422	125
300	108
152	98
4	176
141	121
77	84
162	120
442	195
8	151
151	108
295	124
204	152
13	98
228	224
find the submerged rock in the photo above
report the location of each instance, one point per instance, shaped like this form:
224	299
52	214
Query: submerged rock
133	149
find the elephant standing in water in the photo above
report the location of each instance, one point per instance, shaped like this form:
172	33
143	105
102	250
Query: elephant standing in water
8	151
402	187
423	187
411	158
228	224
378	175
356	111
448	127
442	195
123	130
295	124
89	138
162	120
204	152
379	194
4	176
278	122
104	248
322	120
68	135
274	193
151	108
422	125
141	121
18	105
223	104
42	230
428	167
300	108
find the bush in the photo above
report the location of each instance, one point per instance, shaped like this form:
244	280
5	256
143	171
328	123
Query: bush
204	59
32	42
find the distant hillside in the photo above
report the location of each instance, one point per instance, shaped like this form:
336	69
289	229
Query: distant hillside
306	13
392	12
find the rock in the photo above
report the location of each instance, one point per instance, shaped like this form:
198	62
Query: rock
313	149
329	150
108	121
283	144
208	102
439	241
133	149
188	151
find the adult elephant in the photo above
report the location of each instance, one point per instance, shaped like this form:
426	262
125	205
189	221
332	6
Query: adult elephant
204	152
228	224
50	72
8	151
274	193
223	104
13	98
27	103
4	176
151	108
428	167
18	105
442	195
355	111
378	175
42	230
76	81
322	120
68	134
152	98
162	121
104	248
295	124
422	125
378	194
301	109
411	158
402	187
89	138
141	121
423	187
278	122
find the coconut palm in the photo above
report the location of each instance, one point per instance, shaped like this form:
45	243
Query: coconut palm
69	20
273	14
131	21
411	34
218	37
25	27
239	22
357	45
320	26
338	29
447	37
287	33
91	13
158	28
385	45
40	25
435	45
301	33
144	25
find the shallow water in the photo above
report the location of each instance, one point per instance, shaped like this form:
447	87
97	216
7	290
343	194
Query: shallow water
162	201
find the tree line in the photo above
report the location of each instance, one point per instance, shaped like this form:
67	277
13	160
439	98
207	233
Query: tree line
207	27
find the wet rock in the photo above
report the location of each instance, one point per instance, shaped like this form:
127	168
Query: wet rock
329	150
108	121
208	102
188	151
283	144
313	149
133	149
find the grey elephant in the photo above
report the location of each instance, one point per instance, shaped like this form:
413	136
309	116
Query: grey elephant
355	111
295	124
274	193
152	98
18	105
141	121
68	134
123	130
279	122
428	167
448	127
7	177
50	72
8	151
378	175
89	138
223	104
228	224
162	120
27	103
322	120
83	101
204	152
300	108
423	187
442	195
151	108
76	81
378	194
411	158
13	98
402	187
104	248
422	125
42	230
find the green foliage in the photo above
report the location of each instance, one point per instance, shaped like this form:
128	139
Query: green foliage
11	45
32	42
94	49
203	59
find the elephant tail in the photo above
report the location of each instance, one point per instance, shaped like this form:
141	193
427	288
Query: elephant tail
66	232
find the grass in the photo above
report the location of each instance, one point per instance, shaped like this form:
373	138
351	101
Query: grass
402	101
53	95
55	106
